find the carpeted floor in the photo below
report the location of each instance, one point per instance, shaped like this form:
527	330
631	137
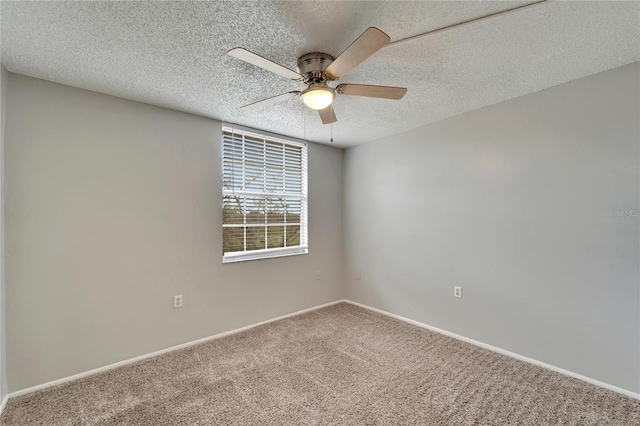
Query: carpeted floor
340	365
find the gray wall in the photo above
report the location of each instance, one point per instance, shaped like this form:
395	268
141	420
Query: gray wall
512	203
3	369
113	207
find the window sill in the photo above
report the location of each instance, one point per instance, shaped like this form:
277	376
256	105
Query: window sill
263	254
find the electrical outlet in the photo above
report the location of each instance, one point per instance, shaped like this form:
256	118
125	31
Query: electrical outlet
177	301
457	292
317	275
358	274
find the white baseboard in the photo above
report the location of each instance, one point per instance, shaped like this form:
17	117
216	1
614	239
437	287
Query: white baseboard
3	403
503	352
156	353
380	311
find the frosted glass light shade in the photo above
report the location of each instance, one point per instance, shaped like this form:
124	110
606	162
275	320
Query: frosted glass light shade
317	98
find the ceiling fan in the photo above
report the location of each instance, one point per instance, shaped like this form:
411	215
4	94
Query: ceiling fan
317	69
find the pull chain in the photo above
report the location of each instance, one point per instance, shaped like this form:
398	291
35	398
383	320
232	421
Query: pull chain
331	124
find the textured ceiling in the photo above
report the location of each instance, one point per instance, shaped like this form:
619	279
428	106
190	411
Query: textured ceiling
172	54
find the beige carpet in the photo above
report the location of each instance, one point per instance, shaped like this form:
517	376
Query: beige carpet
341	365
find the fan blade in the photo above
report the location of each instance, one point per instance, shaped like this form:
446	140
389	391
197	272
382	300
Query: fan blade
370	91
270	101
264	63
327	115
366	45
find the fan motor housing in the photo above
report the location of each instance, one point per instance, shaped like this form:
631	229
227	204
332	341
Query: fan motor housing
312	65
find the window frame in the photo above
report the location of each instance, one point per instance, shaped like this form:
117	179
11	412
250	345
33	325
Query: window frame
303	197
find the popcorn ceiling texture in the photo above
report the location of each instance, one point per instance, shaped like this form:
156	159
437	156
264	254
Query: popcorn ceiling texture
340	365
172	54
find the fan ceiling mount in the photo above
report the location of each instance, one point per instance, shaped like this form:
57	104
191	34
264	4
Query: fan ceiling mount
317	69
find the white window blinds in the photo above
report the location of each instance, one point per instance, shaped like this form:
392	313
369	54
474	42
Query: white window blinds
264	196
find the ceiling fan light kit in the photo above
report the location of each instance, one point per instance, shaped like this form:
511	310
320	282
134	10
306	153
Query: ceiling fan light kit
317	69
318	96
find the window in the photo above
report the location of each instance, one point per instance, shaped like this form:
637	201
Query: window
264	196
